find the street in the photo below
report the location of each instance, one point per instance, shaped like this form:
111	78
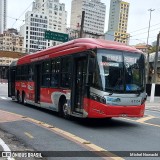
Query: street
44	130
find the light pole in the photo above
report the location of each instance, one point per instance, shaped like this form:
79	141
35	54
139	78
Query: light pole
147	45
156	59
155	70
82	24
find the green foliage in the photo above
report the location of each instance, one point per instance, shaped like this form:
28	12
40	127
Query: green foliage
153	49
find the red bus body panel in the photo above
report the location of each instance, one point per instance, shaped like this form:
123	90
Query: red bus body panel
28	88
98	110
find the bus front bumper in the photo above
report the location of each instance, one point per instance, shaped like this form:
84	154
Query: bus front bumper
99	110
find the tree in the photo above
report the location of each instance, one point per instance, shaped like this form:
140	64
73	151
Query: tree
153	49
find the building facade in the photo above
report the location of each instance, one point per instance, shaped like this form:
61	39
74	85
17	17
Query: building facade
151	68
118	21
3	15
94	19
6	58
56	14
10	40
45	15
33	31
143	47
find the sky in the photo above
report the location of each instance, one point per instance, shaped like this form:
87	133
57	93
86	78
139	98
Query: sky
138	22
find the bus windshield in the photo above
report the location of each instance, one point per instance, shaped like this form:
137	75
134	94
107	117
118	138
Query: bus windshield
119	71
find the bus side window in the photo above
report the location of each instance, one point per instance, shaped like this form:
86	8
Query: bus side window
31	73
66	72
55	68
18	73
46	74
24	73
54	80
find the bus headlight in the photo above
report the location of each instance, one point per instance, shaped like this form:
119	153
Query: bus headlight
98	98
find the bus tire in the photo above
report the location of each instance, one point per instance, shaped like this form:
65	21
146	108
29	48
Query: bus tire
63	108
108	118
24	98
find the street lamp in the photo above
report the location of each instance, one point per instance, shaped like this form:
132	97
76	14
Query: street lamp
147	44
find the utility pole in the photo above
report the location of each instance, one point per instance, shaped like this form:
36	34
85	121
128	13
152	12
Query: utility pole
155	70
147	45
82	24
156	59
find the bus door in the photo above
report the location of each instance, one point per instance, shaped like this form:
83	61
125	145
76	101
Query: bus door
37	82
11	82
80	69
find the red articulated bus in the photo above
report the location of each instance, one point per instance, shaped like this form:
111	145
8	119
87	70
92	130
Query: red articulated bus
84	77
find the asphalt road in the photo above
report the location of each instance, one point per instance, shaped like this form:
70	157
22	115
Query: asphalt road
117	134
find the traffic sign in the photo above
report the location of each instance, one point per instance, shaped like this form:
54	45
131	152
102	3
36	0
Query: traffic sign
56	36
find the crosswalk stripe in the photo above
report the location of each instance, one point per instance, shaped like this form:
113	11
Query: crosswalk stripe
145	119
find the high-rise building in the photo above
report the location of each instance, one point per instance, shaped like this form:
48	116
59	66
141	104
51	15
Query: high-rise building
94	20
57	16
3	15
33	31
118	20
45	15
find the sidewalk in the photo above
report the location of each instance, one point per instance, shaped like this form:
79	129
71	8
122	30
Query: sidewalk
153	105
32	135
14	144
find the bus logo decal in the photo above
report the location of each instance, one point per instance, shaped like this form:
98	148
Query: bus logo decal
113	99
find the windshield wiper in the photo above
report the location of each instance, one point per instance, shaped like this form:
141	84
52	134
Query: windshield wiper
138	92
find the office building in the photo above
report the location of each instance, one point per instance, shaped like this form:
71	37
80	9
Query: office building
3	15
94	20
118	21
33	31
45	15
56	15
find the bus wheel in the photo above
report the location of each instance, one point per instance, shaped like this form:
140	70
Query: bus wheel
108	118
24	99
64	109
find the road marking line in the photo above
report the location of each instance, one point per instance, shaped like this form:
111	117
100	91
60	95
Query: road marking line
3	97
145	119
77	139
29	135
156	125
5	148
150	124
69	135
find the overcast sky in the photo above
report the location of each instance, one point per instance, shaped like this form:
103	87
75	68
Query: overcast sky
138	17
